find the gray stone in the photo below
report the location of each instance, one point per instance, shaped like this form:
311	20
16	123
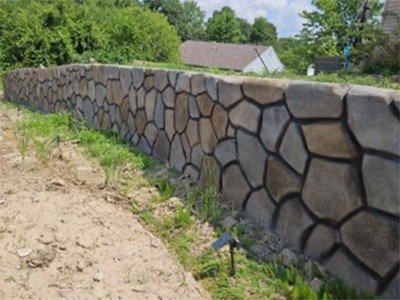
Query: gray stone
315	100
160	80
185	145
229	91
141	94
126	79
245	115
112	72
148	83
177	157
172	75
159	113
293	150
118	94
344	268
220	121
205	104
281	180
169	123
183	83
192	173
228	222
274	120
150	104
193	108
292	221
132	100
131	123
372	122
374	239
100	94
144	145
234	186
151	133
252	158
331	190
225	152
181	112
321	240
264	91
197	156
207	135
161	147
260	207
169	97
329	139
382	183
91	90
392	291
288	258
140	121
212	85
198	84
192	132
88	111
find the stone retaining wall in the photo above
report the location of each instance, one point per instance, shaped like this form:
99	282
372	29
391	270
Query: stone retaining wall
317	162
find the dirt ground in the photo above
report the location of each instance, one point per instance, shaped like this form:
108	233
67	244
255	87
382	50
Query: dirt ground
61	238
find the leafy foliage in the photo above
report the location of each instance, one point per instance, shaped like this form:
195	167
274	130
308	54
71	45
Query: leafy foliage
224	27
52	32
262	32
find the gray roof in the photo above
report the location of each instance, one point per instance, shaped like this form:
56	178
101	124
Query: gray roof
220	55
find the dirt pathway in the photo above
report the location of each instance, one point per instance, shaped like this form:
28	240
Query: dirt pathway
59	238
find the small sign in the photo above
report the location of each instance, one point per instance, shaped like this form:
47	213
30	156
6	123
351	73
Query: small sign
225	239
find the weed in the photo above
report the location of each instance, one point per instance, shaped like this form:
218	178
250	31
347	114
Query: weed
23	145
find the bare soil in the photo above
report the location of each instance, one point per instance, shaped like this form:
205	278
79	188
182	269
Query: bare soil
62	235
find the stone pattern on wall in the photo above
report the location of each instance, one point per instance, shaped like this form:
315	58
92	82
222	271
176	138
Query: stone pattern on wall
317	162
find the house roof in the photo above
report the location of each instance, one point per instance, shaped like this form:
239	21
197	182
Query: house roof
220	55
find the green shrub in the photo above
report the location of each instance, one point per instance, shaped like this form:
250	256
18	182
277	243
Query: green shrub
54	32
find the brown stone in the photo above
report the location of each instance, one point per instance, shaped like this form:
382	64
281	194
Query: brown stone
234	187
161	147
205	104
264	91
245	115
207	135
181	112
274	120
293	150
148	82
229	91
141	94
225	152
198	84
382	183
159	113
117	93
169	123
140	121
183	83
160	80
315	100
374	239
321	240
329	139
331	190
194	111
252	158
177	158
91	91
220	121
132	100
192	132
344	268
293	220
169	97
260	207
100	94
197	156
281	180
150	104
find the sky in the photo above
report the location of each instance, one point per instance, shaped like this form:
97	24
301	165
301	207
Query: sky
284	14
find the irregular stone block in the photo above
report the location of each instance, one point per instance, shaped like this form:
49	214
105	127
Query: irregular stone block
373	239
264	91
169	123
321	240
234	186
281	180
160	80
205	104
197	156
161	147
150	104
88	111
225	152
245	115
185	145
229	91
207	135
169	97
148	82
140	121
132	100
112	72
331	190
151	133
220	121
183	83
260	208
198	84
392	291
159	112
292	221
137	78
144	145
371	120
344	268
172	76
177	157
382	183
192	173
100	94
192	132
315	100
118	95
141	94
181	112
125	79
91	91
194	111
211	86
252	158
293	150
329	139
274	120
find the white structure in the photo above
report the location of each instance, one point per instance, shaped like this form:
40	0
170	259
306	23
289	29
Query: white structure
242	58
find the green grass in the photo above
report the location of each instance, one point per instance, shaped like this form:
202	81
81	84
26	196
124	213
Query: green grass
180	229
341	77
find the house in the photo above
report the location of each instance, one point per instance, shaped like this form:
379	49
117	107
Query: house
242	58
391	19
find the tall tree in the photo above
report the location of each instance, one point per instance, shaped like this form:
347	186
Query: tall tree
262	32
224	26
245	28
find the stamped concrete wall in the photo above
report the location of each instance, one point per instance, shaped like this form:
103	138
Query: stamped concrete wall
317	162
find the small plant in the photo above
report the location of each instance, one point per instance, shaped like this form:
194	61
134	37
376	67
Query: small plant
23	146
165	188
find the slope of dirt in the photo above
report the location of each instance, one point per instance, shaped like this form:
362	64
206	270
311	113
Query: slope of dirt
60	238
